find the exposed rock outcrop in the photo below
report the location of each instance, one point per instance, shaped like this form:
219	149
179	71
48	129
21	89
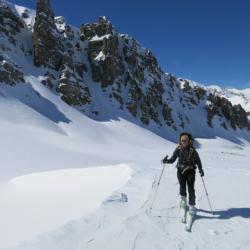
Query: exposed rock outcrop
10	73
101	28
46	38
106	63
234	114
73	90
10	23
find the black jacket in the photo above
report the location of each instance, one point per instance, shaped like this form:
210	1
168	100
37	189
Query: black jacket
186	156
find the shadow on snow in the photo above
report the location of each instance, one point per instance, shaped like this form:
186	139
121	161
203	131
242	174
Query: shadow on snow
243	212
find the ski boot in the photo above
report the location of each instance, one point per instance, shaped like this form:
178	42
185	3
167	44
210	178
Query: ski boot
191	217
183	209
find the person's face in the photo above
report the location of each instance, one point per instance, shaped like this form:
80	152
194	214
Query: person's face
184	141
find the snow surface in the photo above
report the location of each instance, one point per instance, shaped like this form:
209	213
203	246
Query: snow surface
72	209
47	200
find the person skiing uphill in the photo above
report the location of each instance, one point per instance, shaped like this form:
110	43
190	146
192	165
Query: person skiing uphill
188	158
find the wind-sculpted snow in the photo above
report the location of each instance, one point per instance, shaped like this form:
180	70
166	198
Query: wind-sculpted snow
50	199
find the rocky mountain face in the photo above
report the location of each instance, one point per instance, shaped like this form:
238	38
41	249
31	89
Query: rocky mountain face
95	64
54	49
222	107
48	47
10	26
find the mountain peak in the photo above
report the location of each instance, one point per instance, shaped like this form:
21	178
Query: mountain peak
99	29
46	39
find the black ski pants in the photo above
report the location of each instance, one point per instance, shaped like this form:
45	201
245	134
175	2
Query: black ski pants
187	179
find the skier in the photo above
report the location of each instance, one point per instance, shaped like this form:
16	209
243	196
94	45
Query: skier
188	159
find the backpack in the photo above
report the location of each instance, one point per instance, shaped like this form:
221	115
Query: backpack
191	146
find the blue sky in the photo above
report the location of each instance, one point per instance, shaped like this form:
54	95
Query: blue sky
206	41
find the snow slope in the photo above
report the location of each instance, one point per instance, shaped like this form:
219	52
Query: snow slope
34	140
132	225
41	134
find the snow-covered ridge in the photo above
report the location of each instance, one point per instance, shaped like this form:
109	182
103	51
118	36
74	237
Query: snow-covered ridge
26	14
235	96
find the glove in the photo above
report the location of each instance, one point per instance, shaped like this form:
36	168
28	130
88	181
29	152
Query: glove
165	159
201	172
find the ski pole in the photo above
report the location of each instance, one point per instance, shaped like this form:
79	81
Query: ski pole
207	196
158	184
